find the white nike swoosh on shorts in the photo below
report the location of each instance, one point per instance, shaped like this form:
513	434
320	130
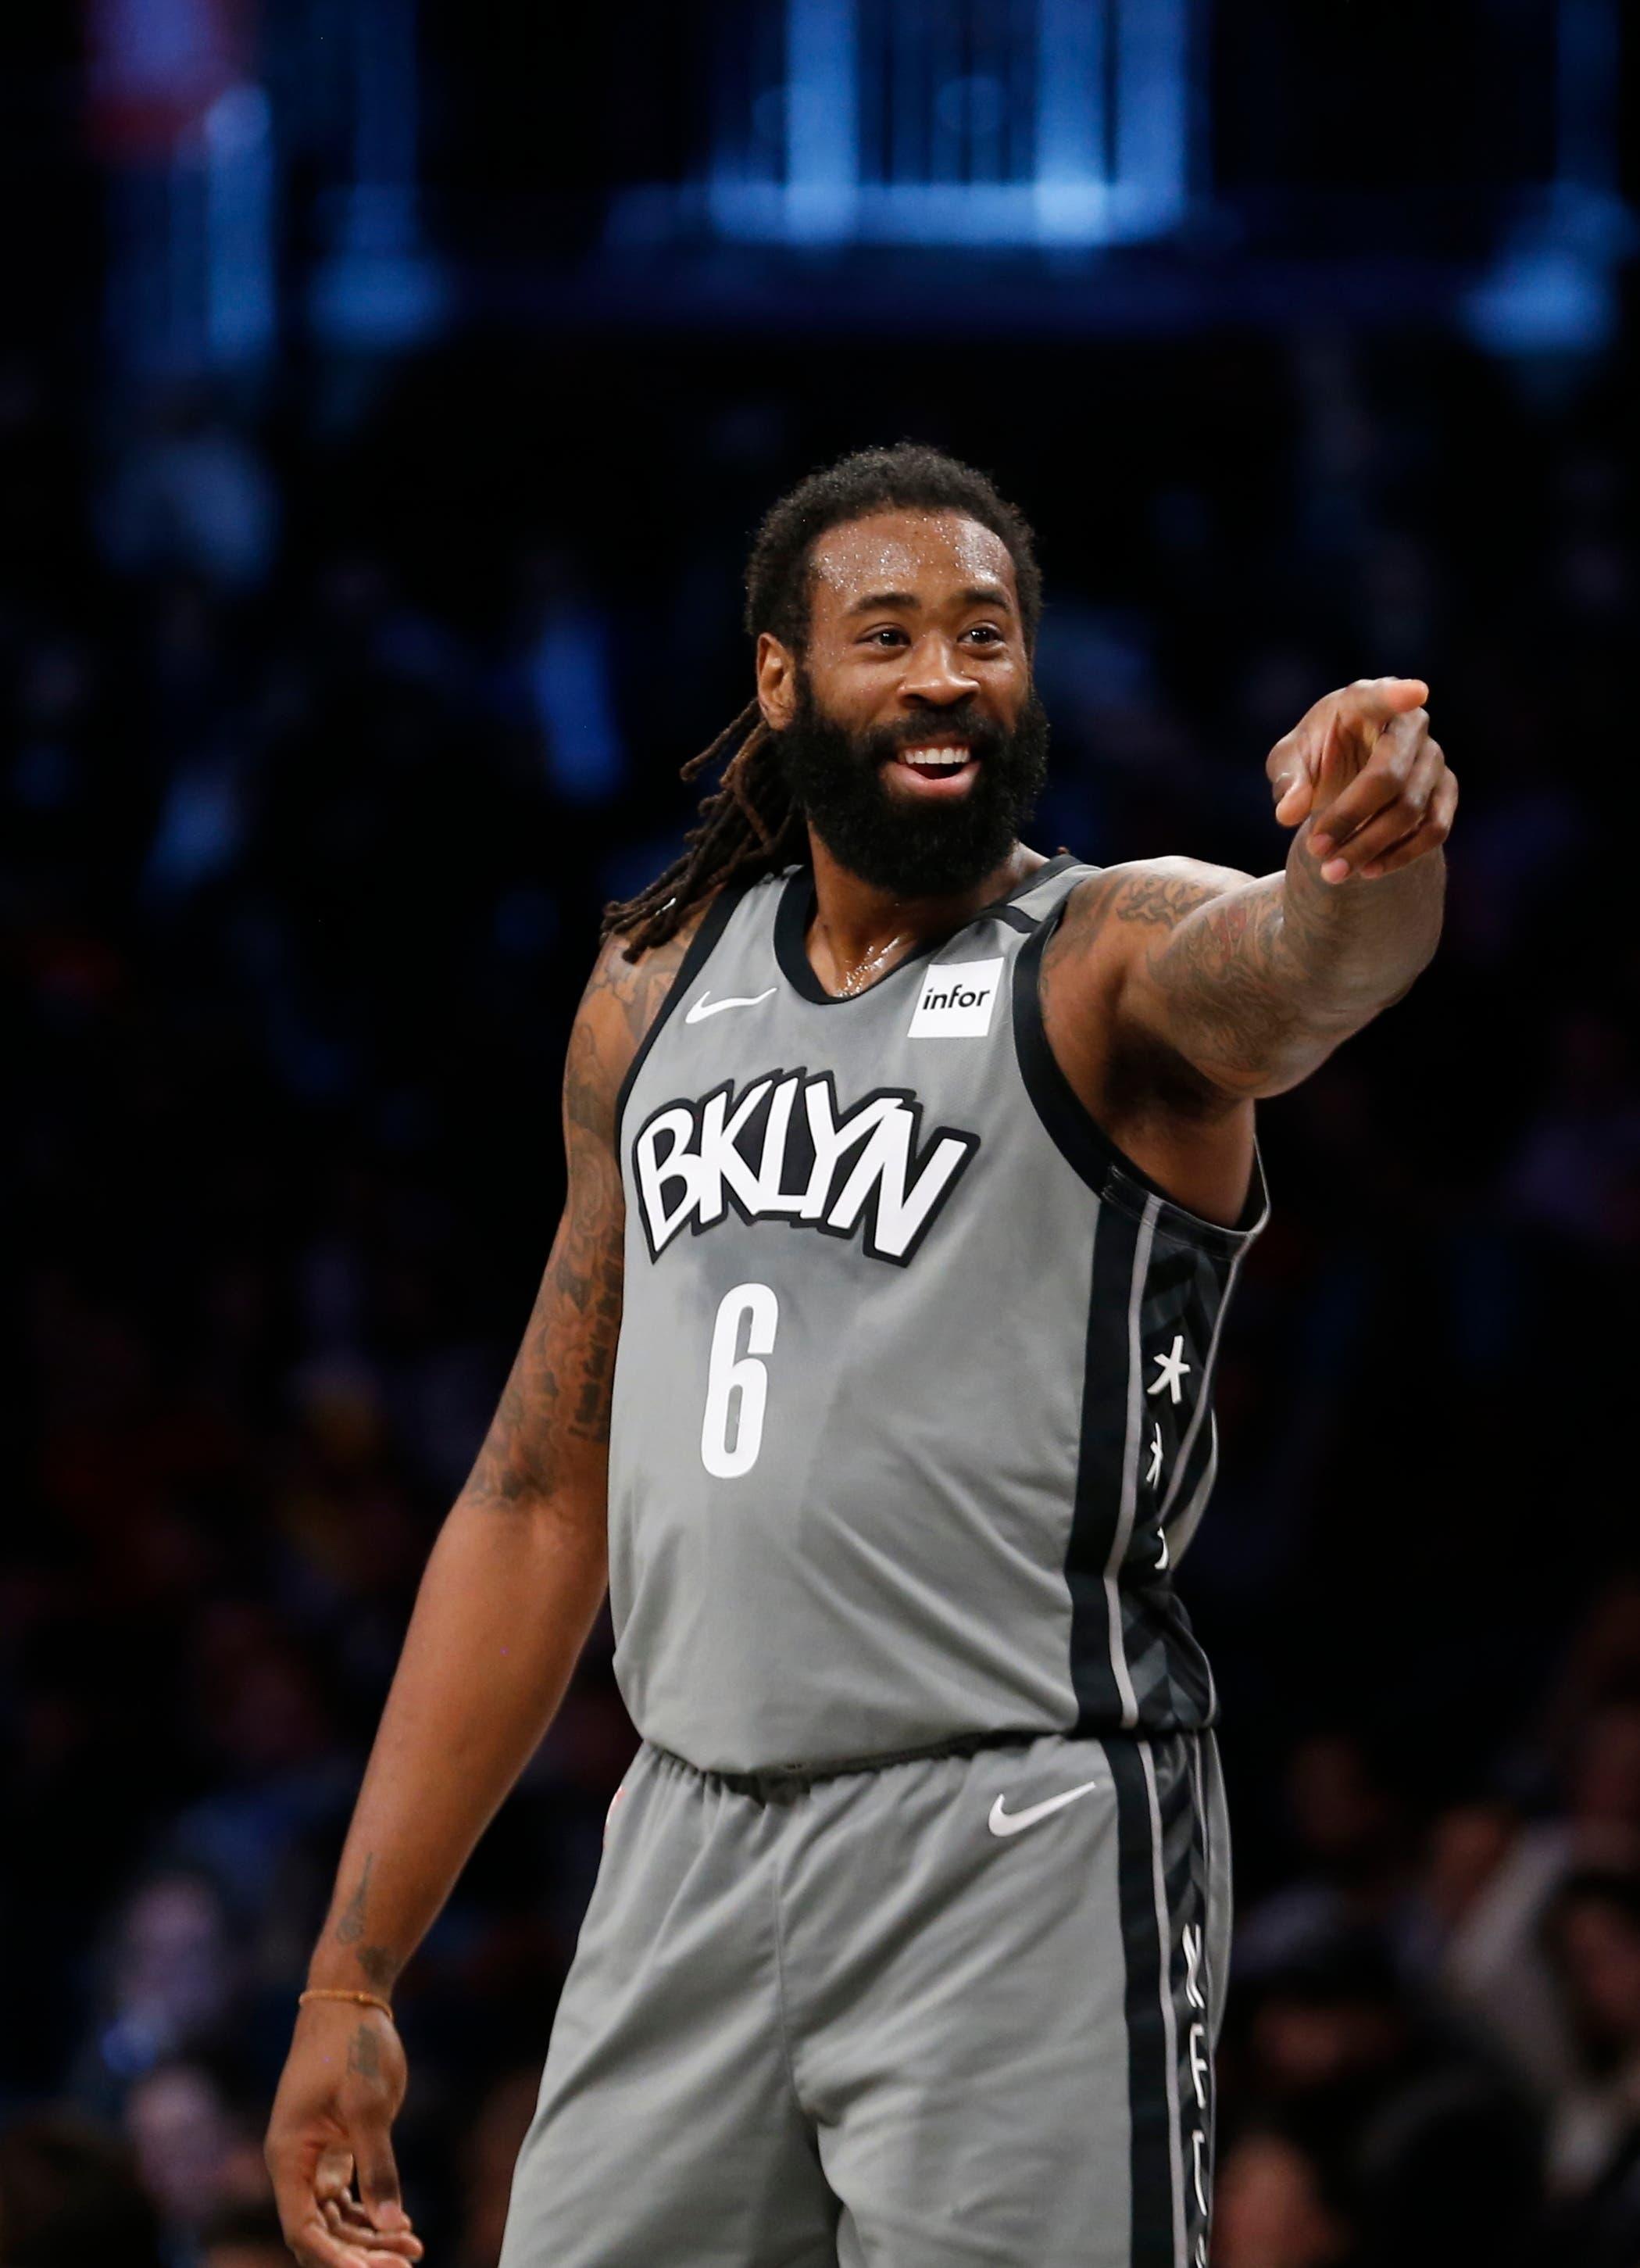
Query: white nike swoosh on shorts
1002	1822
707	1006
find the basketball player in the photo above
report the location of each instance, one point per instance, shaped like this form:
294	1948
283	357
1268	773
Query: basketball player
909	1173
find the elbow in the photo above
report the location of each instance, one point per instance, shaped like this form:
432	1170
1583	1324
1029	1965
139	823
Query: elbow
558	1515
1289	1060
1271	1066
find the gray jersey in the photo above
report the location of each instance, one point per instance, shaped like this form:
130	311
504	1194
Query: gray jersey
911	1407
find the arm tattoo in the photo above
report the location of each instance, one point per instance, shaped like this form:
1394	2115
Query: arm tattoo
1263	983
1254	981
1237	993
350	1927
555	1404
379	1967
364	2053
1161	901
1226	987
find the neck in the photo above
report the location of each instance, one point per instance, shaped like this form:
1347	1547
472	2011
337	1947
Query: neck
853	920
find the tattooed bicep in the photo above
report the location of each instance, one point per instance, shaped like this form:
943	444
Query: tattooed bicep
1226	990
622	1000
1127	912
549	1433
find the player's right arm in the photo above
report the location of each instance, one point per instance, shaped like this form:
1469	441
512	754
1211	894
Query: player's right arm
510	1591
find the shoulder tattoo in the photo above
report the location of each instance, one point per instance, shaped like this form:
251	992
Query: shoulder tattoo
555	1404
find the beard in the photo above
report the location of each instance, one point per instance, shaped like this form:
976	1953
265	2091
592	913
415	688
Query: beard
914	847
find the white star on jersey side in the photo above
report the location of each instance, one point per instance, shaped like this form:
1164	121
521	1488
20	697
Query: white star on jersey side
1171	1367
1153	1472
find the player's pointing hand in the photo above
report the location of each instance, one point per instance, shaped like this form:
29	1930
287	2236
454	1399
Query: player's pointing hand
1339	724
1362	767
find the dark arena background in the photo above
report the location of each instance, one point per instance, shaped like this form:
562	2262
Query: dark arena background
387	394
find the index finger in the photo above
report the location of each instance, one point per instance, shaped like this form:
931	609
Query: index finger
1288	771
1381	700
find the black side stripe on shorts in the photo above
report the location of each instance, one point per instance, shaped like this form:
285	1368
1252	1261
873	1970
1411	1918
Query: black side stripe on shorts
1182	1896
1158	2240
1198	2085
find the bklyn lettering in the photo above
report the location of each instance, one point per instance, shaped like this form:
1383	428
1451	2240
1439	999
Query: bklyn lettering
782	1149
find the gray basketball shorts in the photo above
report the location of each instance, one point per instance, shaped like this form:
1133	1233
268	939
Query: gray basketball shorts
957	2009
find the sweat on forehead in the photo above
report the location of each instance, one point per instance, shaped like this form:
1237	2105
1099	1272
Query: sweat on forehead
889	547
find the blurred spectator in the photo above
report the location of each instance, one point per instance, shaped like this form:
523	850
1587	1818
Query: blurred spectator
280	1769
1464	1849
1593	1940
244	2237
1494	1965
172	1981
1591	1934
1274	2208
1350	1844
197	2135
70	2197
1438	2154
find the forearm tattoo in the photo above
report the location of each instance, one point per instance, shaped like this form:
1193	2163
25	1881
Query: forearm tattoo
377	1964
1258	978
1237	993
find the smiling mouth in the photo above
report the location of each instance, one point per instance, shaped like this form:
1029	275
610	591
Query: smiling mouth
937	765
948	759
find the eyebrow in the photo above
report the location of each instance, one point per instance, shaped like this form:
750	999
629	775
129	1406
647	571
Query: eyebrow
978	595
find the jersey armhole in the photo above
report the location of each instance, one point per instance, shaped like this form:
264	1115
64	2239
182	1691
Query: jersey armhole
1078	1137
697	952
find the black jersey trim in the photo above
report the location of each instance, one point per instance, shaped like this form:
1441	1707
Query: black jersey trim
696	954
1152	2073
792	929
1082	1142
797	906
1050	871
1096	1510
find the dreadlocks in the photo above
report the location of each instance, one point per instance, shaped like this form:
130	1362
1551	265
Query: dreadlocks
749	821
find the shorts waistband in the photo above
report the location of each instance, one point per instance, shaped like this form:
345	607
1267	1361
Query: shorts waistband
778	1782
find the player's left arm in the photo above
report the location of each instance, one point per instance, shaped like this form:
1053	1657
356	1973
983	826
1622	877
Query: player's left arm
1254	981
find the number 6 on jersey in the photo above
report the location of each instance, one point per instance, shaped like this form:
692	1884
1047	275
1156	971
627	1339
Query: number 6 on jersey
737	1384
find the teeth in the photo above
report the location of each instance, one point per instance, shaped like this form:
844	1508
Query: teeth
934	759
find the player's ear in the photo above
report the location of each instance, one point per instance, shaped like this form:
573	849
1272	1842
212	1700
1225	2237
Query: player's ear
776	682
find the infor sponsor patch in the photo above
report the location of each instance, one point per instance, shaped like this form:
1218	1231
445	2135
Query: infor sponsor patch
956	1000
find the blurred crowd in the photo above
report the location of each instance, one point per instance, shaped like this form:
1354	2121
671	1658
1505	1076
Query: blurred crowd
332	716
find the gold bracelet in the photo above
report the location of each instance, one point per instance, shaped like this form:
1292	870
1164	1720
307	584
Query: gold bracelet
334	1992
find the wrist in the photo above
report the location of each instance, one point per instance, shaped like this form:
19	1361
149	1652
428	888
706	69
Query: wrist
368	1968
353	2004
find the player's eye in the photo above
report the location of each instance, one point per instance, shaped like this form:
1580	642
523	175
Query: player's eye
886	633
987	632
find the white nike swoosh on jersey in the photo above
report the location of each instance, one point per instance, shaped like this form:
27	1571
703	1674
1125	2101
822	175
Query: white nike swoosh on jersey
1002	1822
707	1006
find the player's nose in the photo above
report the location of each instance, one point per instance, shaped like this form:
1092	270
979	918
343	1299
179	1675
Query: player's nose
936	675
